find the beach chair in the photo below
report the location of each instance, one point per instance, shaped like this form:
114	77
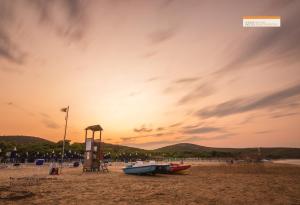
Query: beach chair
3	166
53	169
103	166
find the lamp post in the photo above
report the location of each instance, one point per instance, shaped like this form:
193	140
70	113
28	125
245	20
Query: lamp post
66	110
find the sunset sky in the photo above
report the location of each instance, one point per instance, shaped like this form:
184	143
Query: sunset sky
151	72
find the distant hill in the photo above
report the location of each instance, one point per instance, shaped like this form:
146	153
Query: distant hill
272	152
177	150
183	147
120	148
19	139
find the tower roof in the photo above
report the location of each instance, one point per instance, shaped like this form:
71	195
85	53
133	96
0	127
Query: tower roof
94	128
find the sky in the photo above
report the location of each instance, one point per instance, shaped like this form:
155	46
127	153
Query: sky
151	73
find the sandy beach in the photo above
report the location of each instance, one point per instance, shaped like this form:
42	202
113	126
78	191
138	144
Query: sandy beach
202	184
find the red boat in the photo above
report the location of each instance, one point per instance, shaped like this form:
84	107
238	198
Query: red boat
178	167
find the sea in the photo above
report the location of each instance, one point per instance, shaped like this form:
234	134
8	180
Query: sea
288	161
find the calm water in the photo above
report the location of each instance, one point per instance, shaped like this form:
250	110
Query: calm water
288	161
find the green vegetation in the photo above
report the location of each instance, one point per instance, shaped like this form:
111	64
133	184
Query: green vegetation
31	148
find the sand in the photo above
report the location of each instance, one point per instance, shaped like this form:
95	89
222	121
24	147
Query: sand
203	184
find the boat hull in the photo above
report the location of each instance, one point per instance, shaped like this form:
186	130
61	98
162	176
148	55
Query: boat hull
178	168
162	169
149	169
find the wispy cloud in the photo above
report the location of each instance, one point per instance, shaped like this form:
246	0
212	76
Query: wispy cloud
150	54
160	129
50	124
250	103
199	92
166	3
175	125
263	132
180	84
142	129
162	35
135	93
186	80
154	135
9	50
19	107
194	139
280	115
152	79
74	12
203	138
11	69
281	43
202	130
10	104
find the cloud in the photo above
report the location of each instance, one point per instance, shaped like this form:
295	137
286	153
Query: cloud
193	126
20	108
152	79
201	138
11	69
153	143
161	36
133	138
135	93
186	80
160	129
180	83
263	132
201	91
10	104
242	105
142	129
44	115
125	139
150	54
72	24
166	3
280	43
202	130
175	125
10	51
284	115
182	140
50	124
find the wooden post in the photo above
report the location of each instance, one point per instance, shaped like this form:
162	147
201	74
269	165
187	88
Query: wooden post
100	148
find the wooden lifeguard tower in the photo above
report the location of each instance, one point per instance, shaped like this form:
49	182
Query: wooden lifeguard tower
93	150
